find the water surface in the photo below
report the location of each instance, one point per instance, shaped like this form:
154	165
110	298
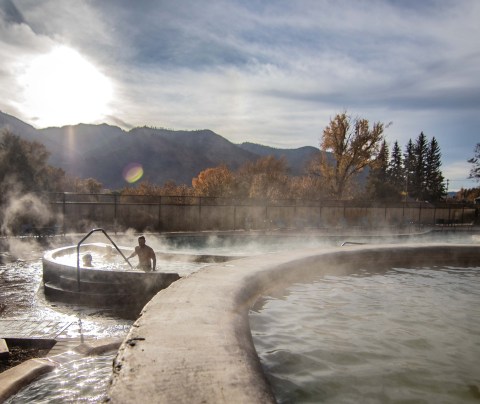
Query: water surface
409	335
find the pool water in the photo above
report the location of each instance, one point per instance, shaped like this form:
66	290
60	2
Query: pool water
83	379
405	335
77	379
117	263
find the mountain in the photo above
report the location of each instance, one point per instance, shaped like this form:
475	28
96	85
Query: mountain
15	125
296	158
103	151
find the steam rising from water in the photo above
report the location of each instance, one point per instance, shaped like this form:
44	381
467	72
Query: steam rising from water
23	213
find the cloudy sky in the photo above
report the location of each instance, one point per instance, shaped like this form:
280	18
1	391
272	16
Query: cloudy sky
270	72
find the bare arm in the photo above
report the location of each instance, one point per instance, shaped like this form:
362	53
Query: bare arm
133	253
154	260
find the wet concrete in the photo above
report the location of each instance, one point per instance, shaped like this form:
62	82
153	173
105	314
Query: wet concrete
192	343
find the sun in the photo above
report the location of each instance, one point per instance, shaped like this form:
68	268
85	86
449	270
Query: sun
63	88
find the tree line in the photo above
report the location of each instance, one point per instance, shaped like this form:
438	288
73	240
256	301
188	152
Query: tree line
354	162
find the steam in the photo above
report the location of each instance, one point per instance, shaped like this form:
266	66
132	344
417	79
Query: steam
23	213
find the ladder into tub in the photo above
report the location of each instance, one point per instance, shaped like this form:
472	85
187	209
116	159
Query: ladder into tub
78	251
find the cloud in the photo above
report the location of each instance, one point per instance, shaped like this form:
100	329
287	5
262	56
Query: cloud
10	13
268	72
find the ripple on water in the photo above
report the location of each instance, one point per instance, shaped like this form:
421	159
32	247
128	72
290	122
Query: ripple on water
407	335
75	380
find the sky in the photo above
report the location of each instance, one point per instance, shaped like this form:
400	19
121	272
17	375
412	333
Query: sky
273	72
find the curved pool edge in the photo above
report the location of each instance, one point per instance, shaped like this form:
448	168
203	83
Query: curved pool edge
16	378
97	286
193	342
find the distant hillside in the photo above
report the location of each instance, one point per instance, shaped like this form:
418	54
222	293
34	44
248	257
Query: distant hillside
103	151
296	158
17	126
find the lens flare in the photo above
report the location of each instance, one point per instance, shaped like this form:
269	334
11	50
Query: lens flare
133	172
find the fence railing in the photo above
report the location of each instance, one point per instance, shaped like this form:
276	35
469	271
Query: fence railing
81	212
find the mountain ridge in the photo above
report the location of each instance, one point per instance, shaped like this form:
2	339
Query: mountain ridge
103	151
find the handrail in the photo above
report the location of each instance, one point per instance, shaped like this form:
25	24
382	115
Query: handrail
78	252
351	243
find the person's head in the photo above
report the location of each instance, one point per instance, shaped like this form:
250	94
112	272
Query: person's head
87	260
141	241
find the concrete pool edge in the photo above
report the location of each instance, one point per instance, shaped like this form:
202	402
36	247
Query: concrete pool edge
193	343
16	378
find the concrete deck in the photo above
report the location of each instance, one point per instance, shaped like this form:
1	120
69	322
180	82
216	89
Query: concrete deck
192	343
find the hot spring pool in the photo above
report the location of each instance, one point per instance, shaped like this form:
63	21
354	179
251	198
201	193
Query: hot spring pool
405	335
117	263
214	302
77	379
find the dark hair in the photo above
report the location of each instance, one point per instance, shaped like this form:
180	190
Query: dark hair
141	237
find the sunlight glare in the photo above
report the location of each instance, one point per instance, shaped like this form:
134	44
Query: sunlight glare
63	88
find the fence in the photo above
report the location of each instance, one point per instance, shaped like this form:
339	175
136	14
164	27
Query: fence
81	212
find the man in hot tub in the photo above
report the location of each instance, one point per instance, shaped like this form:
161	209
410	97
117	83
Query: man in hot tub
146	256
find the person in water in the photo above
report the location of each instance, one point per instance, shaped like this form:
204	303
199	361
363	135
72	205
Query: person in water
87	260
146	256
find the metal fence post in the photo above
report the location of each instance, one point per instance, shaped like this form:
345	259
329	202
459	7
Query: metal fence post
64	208
234	216
115	213
160	213
200	213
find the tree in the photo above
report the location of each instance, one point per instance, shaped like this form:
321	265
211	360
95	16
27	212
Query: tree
475	170
23	170
307	187
409	167
419	178
144	188
468	194
354	146
171	188
217	181
423	178
379	187
395	171
23	166
265	178
434	186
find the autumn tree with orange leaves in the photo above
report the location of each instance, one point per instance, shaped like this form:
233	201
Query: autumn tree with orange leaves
216	181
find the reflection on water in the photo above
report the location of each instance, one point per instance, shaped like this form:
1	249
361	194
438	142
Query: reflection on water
23	299
75	380
335	317
410	335
117	263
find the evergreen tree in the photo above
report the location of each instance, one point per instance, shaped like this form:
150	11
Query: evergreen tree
420	150
475	170
423	178
435	188
379	187
396	171
409	168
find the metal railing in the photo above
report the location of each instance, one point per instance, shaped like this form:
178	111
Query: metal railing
78	252
72	212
